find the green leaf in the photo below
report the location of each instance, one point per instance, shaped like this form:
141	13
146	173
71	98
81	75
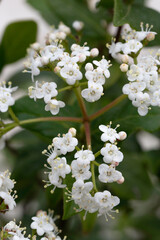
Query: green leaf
68	206
134	14
26	108
68	11
16	39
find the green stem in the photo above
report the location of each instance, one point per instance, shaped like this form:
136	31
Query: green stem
107	107
97	154
96	163
93	177
35	120
13	116
71	87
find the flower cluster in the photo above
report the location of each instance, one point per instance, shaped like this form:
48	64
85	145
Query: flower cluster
85	194
43	224
96	79
66	62
143	88
14	232
6	197
6	98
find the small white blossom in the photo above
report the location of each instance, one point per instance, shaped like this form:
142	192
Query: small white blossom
108	174
102	66
65	144
80	171
54	105
42	223
111	153
142	102
95	76
93	92
132	88
131	46
84	156
109	134
135	73
80	51
71	73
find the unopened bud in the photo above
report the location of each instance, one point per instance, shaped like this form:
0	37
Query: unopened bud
78	25
94	52
44	60
125	58
120	181
122	135
89	67
124	67
61	35
73	131
82	57
57	69
36	46
150	36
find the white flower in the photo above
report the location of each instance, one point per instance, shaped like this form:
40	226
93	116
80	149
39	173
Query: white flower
60	167
36	92
84	156
6	98
49	91
109	134
155	99
106	202
71	73
142	101
141	35
135	73
33	64
6	183
102	66
14	231
111	153
93	92
108	174
8	200
51	53
42	223
80	171
80	189
132	46
66	60
95	76
115	48
79	51
53	106
132	88
152	82
55	180
65	144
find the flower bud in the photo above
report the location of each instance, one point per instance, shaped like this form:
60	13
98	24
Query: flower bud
44	60
78	25
89	67
82	57
61	35
36	46
73	131
57	69
94	52
124	67
122	135
120	181
125	58
150	36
